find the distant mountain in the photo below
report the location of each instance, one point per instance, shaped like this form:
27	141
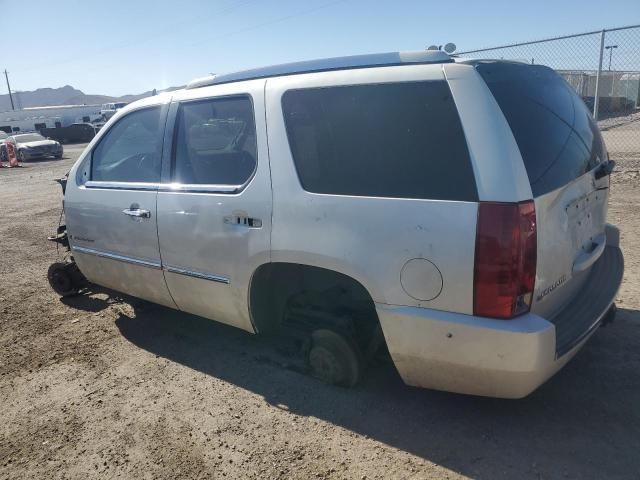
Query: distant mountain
66	95
40	97
84	99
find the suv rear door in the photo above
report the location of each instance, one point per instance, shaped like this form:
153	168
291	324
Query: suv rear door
214	210
563	154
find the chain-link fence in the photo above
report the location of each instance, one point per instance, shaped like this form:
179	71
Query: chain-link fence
604	68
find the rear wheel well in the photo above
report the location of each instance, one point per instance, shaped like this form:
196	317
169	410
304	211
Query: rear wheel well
295	298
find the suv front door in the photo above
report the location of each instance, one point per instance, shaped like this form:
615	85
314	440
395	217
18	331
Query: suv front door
214	209
110	207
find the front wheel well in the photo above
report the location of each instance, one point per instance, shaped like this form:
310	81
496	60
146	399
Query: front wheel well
296	298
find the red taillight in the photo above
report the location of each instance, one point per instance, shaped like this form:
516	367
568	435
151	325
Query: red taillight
505	263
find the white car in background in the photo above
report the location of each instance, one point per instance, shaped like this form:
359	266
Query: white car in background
109	109
453	211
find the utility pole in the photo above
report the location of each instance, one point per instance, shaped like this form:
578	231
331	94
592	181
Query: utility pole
6	76
610	48
596	96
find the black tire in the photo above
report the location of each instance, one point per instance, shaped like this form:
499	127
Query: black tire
61	279
58	157
333	360
20	156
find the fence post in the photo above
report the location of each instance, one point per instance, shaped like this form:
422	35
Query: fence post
596	96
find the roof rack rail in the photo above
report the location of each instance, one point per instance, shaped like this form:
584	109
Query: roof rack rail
327	65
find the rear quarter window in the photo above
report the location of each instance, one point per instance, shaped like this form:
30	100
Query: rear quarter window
554	130
400	140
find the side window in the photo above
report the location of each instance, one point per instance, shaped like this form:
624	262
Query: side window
131	151
401	140
215	142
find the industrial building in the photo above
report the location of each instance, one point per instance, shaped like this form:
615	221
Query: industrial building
619	91
37	118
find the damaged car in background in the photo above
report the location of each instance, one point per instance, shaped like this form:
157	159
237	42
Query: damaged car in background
33	145
3	149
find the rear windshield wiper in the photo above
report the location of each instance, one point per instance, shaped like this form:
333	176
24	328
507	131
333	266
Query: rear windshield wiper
605	169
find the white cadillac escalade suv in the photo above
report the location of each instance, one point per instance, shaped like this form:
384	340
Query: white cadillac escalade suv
452	212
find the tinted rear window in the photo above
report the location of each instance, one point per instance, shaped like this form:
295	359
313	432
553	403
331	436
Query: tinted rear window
400	140
554	130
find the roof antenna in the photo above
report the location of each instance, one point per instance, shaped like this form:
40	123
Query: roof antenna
448	48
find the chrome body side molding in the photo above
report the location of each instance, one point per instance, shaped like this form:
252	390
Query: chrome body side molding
115	256
192	273
150	264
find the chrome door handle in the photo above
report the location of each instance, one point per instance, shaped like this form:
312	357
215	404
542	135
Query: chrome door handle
242	221
137	212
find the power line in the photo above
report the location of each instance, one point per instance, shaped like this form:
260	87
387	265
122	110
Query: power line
265	24
236	32
270	22
242	30
164	31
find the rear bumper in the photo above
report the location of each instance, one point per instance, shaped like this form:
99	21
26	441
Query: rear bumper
578	319
496	358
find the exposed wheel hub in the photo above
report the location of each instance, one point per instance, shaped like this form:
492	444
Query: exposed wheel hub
61	280
325	365
333	359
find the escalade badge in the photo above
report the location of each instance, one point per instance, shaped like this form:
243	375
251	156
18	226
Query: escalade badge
82	239
551	287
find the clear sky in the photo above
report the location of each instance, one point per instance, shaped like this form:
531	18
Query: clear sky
117	47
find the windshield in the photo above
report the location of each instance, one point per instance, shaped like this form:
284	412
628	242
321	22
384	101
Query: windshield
32	137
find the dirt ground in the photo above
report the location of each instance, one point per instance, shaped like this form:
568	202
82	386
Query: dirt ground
102	386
